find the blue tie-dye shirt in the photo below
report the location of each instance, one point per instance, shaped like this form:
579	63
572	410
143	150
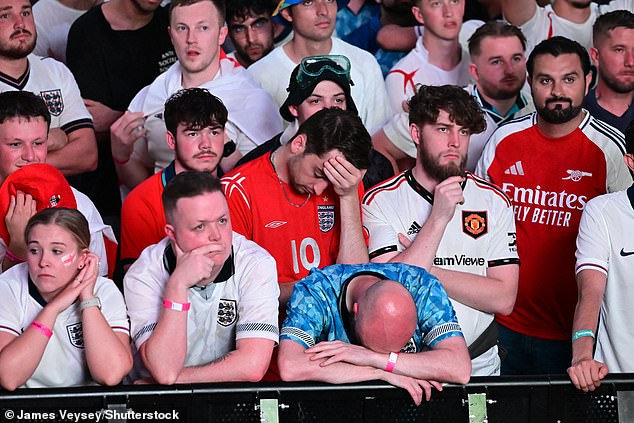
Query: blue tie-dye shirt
313	312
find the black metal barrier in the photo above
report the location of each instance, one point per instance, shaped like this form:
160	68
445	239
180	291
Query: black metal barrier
492	400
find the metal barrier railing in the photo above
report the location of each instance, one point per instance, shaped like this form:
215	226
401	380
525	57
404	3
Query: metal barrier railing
493	399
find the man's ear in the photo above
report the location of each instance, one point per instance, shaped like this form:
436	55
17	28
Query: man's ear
169	231
171	140
588	82
414	132
298	144
222	35
594	56
418	15
293	111
629	161
473	71
287	14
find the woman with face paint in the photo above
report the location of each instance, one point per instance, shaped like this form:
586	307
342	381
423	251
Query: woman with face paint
60	323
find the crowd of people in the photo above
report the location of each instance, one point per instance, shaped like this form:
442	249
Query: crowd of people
322	190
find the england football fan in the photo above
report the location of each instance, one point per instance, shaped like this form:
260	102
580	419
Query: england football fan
197	30
195	121
114	50
613	55
61	324
317	83
605	259
572	19
72	147
250	29
437	59
550	164
313	25
203	301
498	67
461	226
29	185
301	201
348	323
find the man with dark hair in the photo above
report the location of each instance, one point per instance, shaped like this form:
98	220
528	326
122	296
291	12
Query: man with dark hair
605	259
498	67
348	323
250	29
435	212
195	121
203	301
115	49
550	164
613	54
197	30
72	147
301	201
24	132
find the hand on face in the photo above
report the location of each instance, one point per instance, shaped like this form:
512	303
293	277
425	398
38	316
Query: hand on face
81	287
195	266
447	195
344	177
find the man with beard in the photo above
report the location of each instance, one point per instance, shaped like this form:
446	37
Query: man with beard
498	67
301	201
572	19
457	226
71	141
613	55
195	121
114	50
250	29
550	164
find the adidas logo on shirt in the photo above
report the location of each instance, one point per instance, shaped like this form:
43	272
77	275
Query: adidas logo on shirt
414	229
515	169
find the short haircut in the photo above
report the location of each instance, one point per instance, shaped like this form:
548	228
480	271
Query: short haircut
557	46
196	108
429	100
242	9
629	138
219	4
70	220
187	184
494	29
333	128
609	21
23	104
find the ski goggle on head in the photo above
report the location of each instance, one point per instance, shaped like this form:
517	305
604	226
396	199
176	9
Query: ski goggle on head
314	66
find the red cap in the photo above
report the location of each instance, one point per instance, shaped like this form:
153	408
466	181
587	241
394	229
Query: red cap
48	187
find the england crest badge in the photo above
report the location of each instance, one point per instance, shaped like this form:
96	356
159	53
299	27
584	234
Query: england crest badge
326	215
54	101
76	335
227	312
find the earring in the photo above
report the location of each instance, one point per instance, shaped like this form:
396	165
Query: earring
81	266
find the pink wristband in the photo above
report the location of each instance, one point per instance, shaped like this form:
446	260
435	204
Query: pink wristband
391	362
44	329
172	305
12	257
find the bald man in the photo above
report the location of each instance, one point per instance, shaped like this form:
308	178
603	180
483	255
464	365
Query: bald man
348	323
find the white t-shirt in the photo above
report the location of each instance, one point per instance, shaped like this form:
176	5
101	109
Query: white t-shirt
480	235
606	244
64	360
52	23
56	85
546	24
273	72
253	117
98	230
241	303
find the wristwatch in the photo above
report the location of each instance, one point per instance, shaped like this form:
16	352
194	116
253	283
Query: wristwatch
91	302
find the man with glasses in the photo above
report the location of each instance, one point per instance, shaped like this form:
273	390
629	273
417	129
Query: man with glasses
320	82
313	25
250	30
301	201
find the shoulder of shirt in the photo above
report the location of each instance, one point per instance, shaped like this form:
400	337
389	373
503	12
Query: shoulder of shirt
384	187
410	62
245	249
140	192
84	203
604	201
512	126
47	63
261	65
253	167
351	51
603	134
495	192
150	261
14	276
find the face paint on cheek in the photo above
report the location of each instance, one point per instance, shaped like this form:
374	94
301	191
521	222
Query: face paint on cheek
68	259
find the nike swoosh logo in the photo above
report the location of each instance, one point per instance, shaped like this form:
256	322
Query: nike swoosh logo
625	254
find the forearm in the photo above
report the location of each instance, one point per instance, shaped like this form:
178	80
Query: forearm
132	173
443	365
108	353
240	365
300	368
286	290
352	247
20	357
79	155
591	286
484	293
423	249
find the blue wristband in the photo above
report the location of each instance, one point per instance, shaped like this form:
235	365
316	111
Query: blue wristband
581	333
